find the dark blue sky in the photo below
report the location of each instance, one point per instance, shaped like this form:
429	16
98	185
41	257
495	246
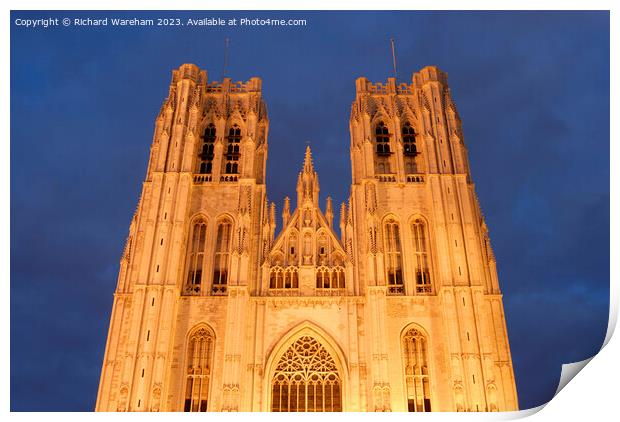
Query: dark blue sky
532	89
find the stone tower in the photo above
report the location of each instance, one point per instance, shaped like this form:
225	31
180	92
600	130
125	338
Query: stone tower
401	312
422	249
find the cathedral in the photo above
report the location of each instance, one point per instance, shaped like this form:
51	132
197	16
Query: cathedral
398	310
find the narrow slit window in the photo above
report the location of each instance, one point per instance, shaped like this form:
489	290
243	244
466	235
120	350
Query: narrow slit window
221	259
394	269
196	258
382	148
206	154
421	257
233	150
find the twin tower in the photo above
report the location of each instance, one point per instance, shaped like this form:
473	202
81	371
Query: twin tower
401	311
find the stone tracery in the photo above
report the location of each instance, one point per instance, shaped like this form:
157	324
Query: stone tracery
306	379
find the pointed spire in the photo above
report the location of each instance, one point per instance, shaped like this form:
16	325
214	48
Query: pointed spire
286	212
308	182
308	167
329	213
350	212
343	219
272	221
272	214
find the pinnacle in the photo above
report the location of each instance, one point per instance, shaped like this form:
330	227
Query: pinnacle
308	167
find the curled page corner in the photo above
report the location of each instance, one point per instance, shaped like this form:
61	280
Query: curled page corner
569	370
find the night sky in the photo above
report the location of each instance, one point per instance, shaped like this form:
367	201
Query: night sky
532	89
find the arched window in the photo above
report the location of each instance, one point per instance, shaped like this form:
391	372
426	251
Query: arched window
409	147
322	278
306	379
292	249
393	262
338	277
382	149
283	278
382	138
232	150
221	261
199	366
196	258
410	150
206	152
122	401
322	249
330	278
416	371
420	248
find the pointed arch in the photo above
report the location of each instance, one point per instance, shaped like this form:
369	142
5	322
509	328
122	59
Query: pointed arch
382	138
225	216
123	398
199	352
292	247
323	246
392	239
412	144
422	257
382	134
232	152
339	258
332	357
492	398
207	148
198	216
277	258
408	115
196	255
381	117
222	254
416	364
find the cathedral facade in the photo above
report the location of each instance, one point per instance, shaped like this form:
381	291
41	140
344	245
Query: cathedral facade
399	311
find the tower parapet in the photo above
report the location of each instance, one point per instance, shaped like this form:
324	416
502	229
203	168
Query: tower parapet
255	84
189	71
429	74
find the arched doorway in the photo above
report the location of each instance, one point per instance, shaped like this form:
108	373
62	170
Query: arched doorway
306	379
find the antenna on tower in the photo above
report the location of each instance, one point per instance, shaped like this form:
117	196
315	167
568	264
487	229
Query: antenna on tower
394	57
226	44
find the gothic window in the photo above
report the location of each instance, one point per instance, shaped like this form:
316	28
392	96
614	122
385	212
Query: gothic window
232	150
393	262
416	371
382	149
199	366
382	138
323	249
322	278
196	258
420	247
206	152
122	401
492	398
330	278
221	261
283	278
409	148
292	249
306	379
